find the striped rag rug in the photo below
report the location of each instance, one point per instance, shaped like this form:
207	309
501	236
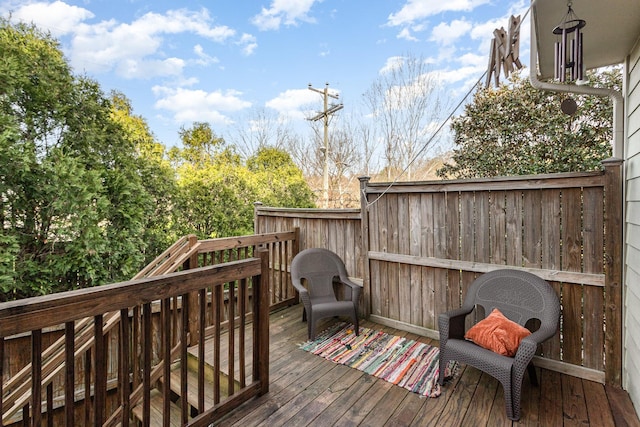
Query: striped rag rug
407	363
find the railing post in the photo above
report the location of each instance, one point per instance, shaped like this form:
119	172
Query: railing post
261	323
256	224
364	225
613	220
194	335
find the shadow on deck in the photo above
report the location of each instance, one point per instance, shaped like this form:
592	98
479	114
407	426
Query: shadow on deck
308	390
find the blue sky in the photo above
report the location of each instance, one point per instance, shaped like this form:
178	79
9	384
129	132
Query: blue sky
221	61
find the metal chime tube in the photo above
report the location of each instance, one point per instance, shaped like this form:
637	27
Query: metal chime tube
563	56
556	68
579	65
572	58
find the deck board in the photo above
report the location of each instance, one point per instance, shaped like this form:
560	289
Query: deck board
308	390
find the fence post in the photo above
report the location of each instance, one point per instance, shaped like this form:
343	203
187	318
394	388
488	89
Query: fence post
613	221
261	323
364	226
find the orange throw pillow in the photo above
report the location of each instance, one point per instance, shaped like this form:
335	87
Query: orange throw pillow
498	334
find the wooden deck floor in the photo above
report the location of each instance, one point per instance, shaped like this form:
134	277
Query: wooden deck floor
306	390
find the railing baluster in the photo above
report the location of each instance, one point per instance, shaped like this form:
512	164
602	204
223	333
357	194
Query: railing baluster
87	387
36	377
123	361
50	404
166	347
281	273
231	336
242	308
25	415
147	340
70	377
136	346
202	300
183	358
218	303
100	382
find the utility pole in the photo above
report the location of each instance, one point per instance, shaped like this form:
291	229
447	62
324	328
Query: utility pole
328	110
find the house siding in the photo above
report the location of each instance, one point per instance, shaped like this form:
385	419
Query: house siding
631	367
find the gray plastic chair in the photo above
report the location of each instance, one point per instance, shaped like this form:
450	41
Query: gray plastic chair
520	296
320	269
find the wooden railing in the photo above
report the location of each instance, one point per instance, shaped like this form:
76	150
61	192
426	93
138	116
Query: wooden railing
223	307
139	369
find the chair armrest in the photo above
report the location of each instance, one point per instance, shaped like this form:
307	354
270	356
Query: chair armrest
304	293
529	345
353	287
451	323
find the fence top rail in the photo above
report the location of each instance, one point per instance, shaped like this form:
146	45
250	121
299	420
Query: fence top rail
50	310
308	213
244	241
524	182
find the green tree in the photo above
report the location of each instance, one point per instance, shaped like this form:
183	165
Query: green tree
515	129
157	176
214	198
73	204
278	181
217	190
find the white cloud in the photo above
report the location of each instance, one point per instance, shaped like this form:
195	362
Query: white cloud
133	49
417	10
405	34
146	69
447	34
203	57
249	44
188	105
294	103
109	44
58	17
283	12
392	63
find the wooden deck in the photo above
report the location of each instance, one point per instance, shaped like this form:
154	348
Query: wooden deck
307	390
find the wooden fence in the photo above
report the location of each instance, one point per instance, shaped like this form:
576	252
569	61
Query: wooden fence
422	244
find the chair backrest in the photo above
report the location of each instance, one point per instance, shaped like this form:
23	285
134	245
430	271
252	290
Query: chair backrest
519	295
318	267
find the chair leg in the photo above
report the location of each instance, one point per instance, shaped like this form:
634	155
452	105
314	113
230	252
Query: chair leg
533	378
311	322
443	365
509	403
356	323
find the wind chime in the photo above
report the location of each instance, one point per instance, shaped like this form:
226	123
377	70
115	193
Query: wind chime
569	48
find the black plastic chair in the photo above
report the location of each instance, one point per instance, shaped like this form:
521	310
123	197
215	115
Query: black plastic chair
319	269
520	296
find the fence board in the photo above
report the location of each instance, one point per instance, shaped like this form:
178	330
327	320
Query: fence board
531	228
393	246
571	250
593	249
